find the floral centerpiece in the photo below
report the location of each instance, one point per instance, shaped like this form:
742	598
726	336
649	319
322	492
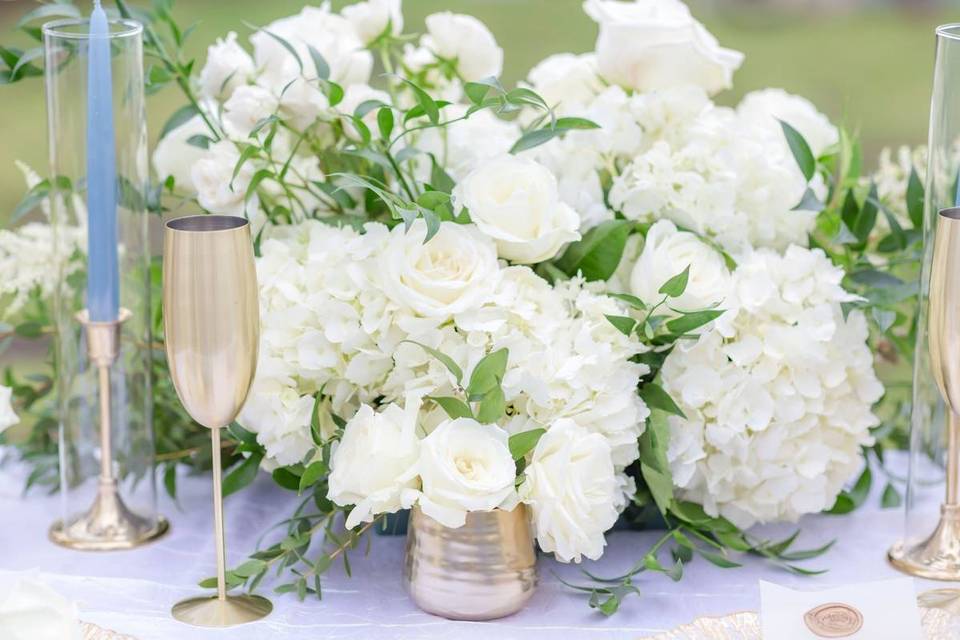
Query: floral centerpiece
598	293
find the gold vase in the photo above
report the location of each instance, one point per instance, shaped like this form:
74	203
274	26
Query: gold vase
484	570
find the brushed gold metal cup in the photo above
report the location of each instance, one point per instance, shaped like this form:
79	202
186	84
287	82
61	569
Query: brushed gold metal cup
212	329
938	557
484	570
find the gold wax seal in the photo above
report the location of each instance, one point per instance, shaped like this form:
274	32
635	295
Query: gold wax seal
833	620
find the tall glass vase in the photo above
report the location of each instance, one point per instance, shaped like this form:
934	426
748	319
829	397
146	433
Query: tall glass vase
103	367
929	437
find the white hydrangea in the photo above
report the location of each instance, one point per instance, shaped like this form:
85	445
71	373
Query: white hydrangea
777	396
462	146
328	323
731	180
228	66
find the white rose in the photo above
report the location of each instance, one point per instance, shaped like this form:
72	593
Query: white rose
228	67
333	37
454	36
465	466
245	108
653	44
766	106
666	253
573	491
455	271
371	18
515	201
30	610
566	80
8	417
217	190
174	156
389	438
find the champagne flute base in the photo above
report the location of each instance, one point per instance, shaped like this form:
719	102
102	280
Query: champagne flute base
216	612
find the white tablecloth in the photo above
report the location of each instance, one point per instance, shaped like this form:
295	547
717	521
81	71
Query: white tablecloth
132	592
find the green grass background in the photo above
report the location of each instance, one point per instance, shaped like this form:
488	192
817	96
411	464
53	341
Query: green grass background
869	69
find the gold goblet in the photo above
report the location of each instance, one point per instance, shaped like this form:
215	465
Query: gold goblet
212	327
938	557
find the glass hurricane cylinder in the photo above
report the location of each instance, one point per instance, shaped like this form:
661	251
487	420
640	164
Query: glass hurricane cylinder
103	368
930	438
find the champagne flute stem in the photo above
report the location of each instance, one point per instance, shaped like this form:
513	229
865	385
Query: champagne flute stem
106	446
953	458
219	536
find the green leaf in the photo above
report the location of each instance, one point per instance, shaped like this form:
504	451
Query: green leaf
312	473
440	179
851	500
891	498
718	559
29	329
30	200
248	152
476	91
425	102
454	407
656	397
170	480
285	478
488	373
809	202
289	47
524	442
575	123
624	324
694	320
200	141
385	122
319	63
492	406
915	199
801	151
633	301
179	117
249	568
52	10
258	177
535	138
675	286
597	255
444	358
241	475
660	484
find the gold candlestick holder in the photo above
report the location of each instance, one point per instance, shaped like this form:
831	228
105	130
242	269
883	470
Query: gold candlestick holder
938	556
108	525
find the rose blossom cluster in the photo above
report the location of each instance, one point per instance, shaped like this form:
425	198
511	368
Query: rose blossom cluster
777	396
348	315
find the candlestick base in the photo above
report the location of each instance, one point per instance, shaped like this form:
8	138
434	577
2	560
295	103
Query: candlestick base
937	557
214	612
109	525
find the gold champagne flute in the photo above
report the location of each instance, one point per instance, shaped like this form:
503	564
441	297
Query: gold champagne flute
212	327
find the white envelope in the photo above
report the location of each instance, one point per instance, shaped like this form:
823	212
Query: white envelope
889	610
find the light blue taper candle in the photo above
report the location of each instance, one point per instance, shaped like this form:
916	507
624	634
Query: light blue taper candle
103	279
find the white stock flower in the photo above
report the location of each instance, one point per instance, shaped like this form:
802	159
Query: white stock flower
218	191
374	467
247	106
28	262
566	81
463	38
288	414
8	417
174	156
455	271
371	18
767	106
572	490
652	44
465	466
777	395
667	252
515	201
228	66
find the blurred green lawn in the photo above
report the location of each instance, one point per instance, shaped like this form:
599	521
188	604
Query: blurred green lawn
870	70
